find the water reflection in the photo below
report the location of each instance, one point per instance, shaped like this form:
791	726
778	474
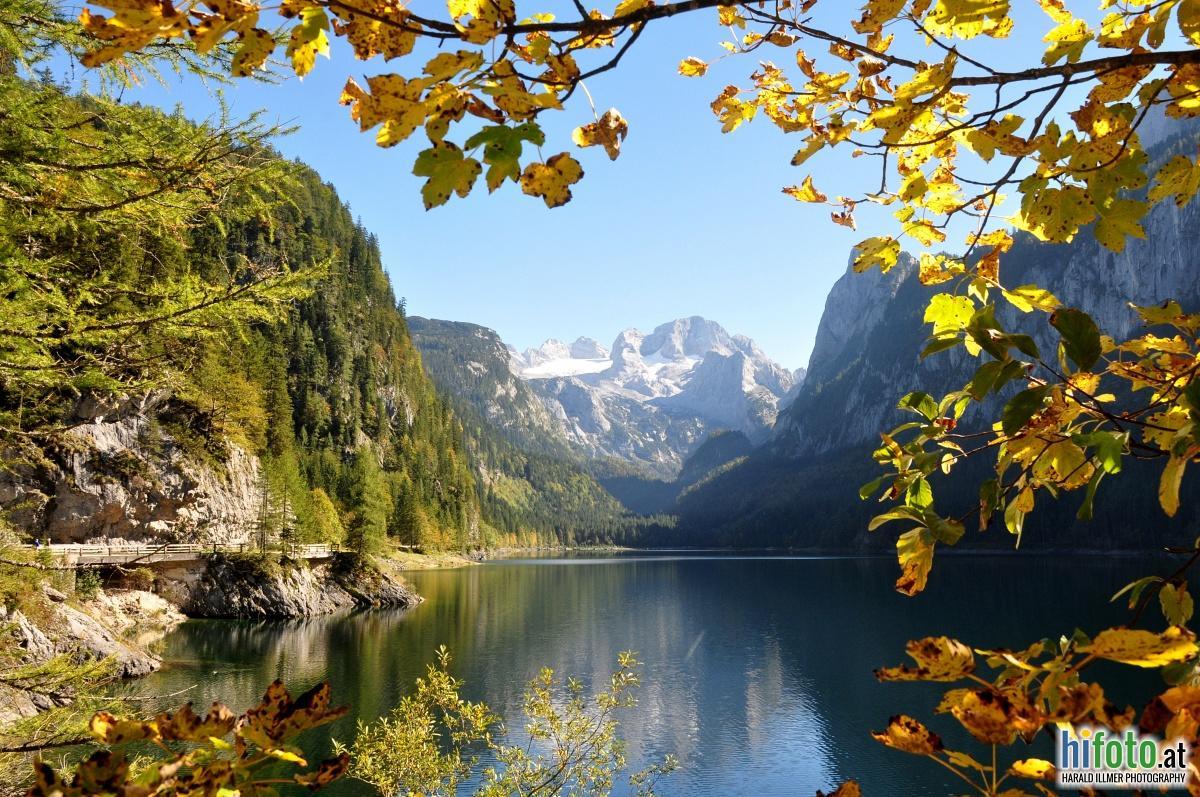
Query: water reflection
757	671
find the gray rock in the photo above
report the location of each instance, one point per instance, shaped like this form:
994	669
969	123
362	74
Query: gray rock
243	588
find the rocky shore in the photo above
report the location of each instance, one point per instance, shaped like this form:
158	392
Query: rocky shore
254	587
122	625
118	626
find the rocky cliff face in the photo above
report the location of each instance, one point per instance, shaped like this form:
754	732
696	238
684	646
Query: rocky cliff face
652	398
866	351
120	475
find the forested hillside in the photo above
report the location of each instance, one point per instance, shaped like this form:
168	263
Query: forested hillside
534	487
199	342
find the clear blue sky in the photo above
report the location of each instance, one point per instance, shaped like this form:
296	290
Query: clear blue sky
688	221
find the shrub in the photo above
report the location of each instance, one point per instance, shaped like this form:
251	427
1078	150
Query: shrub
141	578
87	584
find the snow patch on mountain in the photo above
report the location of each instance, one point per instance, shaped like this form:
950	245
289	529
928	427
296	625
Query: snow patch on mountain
652	398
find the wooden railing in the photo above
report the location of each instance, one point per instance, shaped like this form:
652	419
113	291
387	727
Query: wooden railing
92	554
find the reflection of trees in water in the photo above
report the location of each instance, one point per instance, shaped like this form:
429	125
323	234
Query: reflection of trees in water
755	671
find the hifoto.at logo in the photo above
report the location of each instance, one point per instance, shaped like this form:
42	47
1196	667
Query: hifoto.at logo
1097	757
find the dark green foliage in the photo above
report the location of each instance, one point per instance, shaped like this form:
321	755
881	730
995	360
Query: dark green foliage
87	584
533	488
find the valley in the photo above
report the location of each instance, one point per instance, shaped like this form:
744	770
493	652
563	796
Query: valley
812	452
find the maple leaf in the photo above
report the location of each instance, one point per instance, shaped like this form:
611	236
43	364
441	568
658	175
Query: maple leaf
308	40
805	192
1179	176
256	47
608	131
692	67
448	172
552	180
502	147
966	19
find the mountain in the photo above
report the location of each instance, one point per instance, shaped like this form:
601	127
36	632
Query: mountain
534	487
472	364
866	356
317	423
652	398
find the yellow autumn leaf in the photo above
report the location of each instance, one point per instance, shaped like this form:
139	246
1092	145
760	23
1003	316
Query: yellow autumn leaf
966	19
1064	464
937	658
1055	10
1169	483
110	729
552	180
1144	648
308	40
948	313
1055	214
692	67
1067	40
1030	297
805	192
1180	177
1188	17
1033	768
935	269
924	232
448	172
256	46
1120	220
914	551
990	717
876	14
608	131
882	251
908	735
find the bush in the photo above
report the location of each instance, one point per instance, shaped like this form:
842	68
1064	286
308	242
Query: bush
87	584
250	564
141	578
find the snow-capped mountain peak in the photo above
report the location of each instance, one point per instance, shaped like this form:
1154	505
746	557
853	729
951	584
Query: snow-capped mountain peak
653	397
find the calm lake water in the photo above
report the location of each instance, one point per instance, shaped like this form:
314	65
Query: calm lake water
757	672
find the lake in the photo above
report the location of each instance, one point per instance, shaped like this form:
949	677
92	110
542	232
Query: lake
757	671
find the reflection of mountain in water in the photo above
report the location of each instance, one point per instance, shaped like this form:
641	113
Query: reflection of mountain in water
757	672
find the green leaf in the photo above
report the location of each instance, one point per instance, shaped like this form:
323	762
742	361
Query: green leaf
1180	672
869	489
1024	344
502	147
1021	407
448	172
989	500
1089	496
983	380
1080	336
939	343
919	494
1108	448
947	531
899	513
1176	602
920	403
1135	589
